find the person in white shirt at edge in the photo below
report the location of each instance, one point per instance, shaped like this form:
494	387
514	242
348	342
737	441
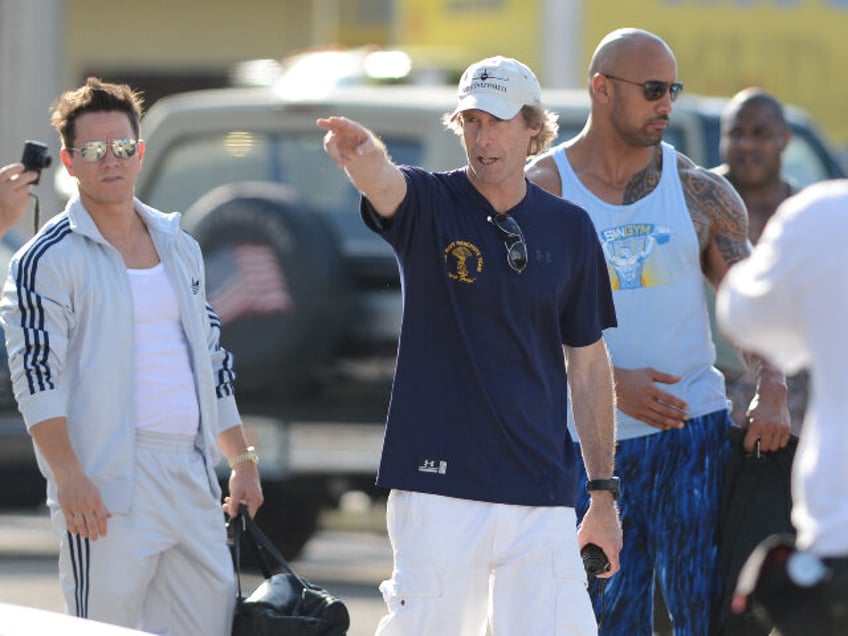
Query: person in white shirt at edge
117	369
789	301
505	288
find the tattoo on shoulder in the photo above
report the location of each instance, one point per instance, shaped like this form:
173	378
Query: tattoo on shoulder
717	211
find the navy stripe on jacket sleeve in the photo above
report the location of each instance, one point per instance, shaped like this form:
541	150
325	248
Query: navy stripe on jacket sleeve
225	375
36	337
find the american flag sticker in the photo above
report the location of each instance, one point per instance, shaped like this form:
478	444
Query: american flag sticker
245	279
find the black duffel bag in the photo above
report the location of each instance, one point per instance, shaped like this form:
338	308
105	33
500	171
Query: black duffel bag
284	604
756	502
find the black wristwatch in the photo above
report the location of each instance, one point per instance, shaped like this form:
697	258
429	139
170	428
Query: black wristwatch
613	484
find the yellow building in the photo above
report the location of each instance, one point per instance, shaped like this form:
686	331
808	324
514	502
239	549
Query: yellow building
796	49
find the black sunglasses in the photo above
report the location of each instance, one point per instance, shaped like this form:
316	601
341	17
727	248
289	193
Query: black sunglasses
653	90
516	250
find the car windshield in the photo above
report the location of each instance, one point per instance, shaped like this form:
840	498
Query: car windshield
194	166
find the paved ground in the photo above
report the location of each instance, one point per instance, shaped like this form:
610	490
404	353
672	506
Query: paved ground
349	557
349	562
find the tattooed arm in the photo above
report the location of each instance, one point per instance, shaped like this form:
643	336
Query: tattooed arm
721	223
719	216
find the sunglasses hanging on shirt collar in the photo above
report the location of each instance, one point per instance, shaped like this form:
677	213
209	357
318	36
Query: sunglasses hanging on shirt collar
516	248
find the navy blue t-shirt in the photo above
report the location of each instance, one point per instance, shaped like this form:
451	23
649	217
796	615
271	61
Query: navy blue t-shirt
479	401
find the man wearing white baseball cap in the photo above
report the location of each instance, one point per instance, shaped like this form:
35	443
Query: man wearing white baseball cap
502	282
501	86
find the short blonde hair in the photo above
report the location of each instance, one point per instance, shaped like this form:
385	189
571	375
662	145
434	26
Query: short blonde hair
534	117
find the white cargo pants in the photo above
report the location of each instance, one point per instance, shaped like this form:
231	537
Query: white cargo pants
464	567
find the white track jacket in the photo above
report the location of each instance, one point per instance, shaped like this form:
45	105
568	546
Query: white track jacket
67	310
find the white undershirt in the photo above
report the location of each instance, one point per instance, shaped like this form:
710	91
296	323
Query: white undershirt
165	396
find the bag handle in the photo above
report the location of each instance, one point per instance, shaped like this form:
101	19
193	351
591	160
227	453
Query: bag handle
262	546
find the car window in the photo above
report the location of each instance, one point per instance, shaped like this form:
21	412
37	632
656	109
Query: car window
193	166
802	162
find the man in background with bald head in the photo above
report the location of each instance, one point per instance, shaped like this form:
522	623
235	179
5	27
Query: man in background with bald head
665	225
754	134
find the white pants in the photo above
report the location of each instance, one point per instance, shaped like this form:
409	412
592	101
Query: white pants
462	567
165	567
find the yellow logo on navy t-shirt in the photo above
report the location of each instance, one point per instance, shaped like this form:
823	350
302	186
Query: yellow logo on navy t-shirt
463	260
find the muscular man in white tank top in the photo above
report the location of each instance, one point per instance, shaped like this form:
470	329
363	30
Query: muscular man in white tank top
666	223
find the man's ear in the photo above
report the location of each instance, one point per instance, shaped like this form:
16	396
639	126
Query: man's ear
599	86
65	156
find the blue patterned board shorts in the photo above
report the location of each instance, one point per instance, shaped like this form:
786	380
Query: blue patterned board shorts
669	504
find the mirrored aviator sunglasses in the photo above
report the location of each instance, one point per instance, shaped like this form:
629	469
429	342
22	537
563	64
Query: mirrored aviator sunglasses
93	151
516	250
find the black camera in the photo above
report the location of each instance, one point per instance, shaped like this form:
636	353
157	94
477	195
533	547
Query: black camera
35	158
594	560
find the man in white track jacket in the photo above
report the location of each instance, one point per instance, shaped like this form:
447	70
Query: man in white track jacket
125	390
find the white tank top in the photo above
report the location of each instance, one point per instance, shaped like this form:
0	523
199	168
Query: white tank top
654	265
165	395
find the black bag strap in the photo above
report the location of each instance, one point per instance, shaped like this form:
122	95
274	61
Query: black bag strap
236	550
270	559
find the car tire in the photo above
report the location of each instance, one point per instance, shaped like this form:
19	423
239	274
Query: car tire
276	278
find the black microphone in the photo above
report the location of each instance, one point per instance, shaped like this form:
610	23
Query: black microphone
594	560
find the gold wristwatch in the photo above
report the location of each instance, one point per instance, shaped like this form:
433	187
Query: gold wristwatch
249	455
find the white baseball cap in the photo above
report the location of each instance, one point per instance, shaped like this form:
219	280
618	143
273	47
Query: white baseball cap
498	85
